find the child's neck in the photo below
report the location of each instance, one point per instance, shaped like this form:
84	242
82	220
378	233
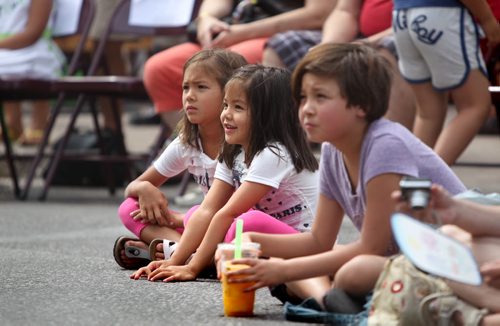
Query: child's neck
211	139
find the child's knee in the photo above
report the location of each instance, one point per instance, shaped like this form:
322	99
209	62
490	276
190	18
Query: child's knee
354	275
126	208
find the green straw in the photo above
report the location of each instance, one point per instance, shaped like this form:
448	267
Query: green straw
237	242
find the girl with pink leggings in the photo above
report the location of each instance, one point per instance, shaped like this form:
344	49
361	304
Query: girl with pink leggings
257	178
254	220
145	210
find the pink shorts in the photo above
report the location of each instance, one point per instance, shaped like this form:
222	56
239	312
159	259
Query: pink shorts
163	71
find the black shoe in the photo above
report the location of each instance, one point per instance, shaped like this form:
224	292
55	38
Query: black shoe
145	119
336	300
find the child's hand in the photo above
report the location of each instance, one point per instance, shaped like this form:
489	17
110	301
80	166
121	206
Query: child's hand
147	270
262	272
172	273
491	273
153	208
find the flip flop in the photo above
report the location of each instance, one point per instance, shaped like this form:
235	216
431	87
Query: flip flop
169	244
140	256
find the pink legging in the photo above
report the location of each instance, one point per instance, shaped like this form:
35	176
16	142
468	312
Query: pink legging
163	71
254	220
131	204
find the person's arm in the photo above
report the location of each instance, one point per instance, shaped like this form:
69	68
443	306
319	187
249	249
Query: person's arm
153	205
375	38
375	239
310	16
245	197
342	25
39	14
482	12
477	219
322	237
208	21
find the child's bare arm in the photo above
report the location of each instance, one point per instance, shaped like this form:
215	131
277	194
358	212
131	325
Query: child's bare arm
39	14
482	12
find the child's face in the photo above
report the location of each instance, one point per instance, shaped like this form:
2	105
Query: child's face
323	112
201	95
235	116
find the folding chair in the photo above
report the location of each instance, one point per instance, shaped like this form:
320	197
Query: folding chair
33	89
89	86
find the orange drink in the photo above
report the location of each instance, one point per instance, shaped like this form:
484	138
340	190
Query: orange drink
237	303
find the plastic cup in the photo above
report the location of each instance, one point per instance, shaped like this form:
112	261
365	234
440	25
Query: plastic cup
237	303
248	250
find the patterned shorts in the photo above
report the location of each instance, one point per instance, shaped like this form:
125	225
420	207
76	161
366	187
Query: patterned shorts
291	46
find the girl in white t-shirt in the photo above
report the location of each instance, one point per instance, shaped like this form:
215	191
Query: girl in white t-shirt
27	50
145	210
267	173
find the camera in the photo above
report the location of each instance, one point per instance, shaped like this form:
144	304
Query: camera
416	191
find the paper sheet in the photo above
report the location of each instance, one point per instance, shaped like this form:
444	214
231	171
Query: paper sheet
434	252
161	13
67	17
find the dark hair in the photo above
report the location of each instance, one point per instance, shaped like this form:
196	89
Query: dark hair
219	63
273	116
363	75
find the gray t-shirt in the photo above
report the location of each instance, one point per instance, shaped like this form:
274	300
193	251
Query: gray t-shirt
388	147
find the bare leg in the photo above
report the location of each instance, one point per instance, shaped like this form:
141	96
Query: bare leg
402	103
312	287
473	102
152	232
116	66
484	249
13	117
491	320
270	58
431	113
40	115
359	275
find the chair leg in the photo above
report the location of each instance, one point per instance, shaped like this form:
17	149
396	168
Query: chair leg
106	166
163	135
9	155
43	145
62	145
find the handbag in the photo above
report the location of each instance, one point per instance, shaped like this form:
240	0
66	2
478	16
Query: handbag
245	11
399	291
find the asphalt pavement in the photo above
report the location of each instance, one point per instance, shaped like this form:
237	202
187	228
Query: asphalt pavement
57	268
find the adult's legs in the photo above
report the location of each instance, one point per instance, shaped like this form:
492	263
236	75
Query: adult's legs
431	112
13	118
472	100
271	58
402	105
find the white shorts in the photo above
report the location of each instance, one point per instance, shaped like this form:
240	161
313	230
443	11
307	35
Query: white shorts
437	44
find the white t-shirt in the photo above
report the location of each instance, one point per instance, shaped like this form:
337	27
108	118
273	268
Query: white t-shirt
294	195
177	157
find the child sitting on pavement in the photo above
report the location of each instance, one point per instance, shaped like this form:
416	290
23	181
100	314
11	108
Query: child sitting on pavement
266	175
343	91
145	210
